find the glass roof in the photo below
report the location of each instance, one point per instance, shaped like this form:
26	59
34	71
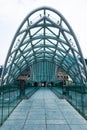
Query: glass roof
44	35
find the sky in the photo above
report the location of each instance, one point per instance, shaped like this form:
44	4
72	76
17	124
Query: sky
12	13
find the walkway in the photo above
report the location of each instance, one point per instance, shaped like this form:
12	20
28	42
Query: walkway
44	111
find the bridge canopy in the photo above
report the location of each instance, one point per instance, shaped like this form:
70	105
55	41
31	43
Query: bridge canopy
44	40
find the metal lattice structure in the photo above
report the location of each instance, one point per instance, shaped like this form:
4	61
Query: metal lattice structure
44	35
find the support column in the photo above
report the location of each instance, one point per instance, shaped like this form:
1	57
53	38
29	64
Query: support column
22	88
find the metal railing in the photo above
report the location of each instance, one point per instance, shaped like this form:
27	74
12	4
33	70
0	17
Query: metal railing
10	97
75	94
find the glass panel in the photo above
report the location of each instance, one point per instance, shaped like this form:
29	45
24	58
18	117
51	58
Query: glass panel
54	30
43	71
8	100
35	17
55	18
35	30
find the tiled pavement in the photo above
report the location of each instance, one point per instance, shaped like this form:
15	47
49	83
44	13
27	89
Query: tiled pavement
44	111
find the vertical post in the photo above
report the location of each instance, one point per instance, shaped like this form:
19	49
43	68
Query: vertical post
22	88
82	98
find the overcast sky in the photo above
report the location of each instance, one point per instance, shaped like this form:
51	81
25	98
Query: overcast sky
12	13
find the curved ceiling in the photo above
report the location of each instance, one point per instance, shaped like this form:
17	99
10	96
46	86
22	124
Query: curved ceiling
44	35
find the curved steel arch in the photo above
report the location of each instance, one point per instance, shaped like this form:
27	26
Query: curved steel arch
44	35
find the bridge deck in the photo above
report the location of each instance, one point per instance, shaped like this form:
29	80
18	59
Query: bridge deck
45	111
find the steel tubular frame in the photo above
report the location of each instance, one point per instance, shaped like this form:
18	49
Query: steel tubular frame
44	35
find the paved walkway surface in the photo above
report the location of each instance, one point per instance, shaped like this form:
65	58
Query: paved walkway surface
45	111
